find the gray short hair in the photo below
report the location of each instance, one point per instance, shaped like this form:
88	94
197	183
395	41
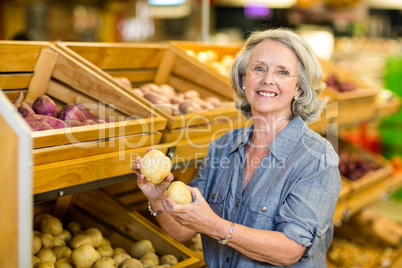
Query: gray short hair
309	106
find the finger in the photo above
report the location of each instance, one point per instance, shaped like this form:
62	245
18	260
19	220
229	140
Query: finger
171	204
150	149
196	194
166	205
138	159
135	167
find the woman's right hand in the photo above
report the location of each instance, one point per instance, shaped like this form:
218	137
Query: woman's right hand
153	192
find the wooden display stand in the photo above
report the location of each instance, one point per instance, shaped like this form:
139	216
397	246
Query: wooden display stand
106	60
98	209
15	187
354	106
37	68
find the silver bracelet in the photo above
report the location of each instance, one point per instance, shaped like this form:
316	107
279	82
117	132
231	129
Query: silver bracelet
228	237
153	213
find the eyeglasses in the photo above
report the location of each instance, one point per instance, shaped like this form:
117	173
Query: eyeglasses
280	75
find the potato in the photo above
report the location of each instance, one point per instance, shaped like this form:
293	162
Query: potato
155	166
119	258
84	256
25	109
38	220
214	101
64	263
39	126
18	100
65	235
80	239
137	92
106	242
72	112
46	264
35	261
105	251
74	227
124	81
118	250
95	235
51	121
72	123
44	105
37	243
51	225
57	241
132	263
179	192
88	122
105	262
62	252
168	259
150	256
148	263
167	90
141	247
47	240
46	254
190	94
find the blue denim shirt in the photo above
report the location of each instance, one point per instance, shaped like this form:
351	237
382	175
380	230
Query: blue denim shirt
294	191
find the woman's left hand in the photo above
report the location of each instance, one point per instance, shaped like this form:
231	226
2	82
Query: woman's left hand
197	216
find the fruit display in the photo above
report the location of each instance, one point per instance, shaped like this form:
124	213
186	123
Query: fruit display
42	114
172	102
340	86
353	166
209	57
55	245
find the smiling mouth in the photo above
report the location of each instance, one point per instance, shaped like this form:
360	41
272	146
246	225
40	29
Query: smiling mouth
266	94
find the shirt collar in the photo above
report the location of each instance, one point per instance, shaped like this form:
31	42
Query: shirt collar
282	145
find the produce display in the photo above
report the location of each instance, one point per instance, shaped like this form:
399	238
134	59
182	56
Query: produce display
353	166
155	166
42	114
70	246
347	253
211	58
173	102
340	86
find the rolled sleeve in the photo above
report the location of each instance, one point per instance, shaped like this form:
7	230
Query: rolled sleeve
308	209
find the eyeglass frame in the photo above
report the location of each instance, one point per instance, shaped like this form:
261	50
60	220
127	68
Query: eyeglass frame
274	73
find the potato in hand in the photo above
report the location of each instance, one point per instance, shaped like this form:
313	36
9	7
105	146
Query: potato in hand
179	192
155	166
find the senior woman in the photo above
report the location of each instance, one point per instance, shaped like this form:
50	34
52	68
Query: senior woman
264	195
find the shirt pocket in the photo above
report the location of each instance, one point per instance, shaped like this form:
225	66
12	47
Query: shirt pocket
216	199
262	213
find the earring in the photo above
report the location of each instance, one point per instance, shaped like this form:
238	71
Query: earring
296	98
243	87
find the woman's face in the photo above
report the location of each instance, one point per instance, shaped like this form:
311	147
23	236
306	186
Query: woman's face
270	93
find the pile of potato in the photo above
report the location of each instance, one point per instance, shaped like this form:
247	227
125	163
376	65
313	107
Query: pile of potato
69	246
211	58
173	102
42	114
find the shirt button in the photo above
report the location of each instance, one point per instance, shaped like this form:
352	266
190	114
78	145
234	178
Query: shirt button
227	260
237	204
213	196
263	209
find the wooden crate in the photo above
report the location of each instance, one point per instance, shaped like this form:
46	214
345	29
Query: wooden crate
100	210
188	66
388	254
147	63
372	179
70	81
352	106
